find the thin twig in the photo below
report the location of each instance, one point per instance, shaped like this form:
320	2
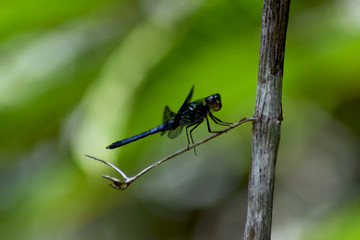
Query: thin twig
123	184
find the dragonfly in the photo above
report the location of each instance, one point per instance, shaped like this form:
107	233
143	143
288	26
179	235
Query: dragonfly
190	116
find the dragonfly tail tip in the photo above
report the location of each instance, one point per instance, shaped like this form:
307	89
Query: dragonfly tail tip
111	146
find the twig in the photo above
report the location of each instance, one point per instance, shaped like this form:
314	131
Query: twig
123	184
268	112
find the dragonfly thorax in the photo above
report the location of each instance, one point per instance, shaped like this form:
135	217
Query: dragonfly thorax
214	102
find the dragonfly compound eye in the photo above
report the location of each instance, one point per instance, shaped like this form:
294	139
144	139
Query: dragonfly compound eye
214	102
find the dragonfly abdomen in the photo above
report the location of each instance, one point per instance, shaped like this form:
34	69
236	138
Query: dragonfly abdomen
163	127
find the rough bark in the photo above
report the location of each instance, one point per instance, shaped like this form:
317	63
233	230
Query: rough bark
268	115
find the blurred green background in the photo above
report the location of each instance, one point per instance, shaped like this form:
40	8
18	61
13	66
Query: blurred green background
77	75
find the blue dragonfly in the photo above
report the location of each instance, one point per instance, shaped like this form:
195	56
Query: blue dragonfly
190	115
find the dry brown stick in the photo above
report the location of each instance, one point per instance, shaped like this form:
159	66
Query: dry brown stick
268	112
123	184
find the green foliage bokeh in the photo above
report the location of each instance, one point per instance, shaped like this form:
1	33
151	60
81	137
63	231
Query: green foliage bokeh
77	75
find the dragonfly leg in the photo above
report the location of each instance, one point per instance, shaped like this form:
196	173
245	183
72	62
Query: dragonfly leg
218	121
187	135
208	125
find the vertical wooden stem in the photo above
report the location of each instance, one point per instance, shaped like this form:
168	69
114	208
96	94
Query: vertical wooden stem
268	115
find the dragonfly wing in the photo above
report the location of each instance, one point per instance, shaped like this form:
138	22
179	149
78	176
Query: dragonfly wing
187	100
173	133
168	115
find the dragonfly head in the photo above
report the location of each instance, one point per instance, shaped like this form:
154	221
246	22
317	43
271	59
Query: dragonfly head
214	102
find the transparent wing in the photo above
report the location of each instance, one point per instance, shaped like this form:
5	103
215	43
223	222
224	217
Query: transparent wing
168	114
173	133
187	100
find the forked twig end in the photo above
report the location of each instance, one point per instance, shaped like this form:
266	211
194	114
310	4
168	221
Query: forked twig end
124	184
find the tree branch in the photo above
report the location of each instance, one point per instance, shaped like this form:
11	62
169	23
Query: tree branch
123	184
268	112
